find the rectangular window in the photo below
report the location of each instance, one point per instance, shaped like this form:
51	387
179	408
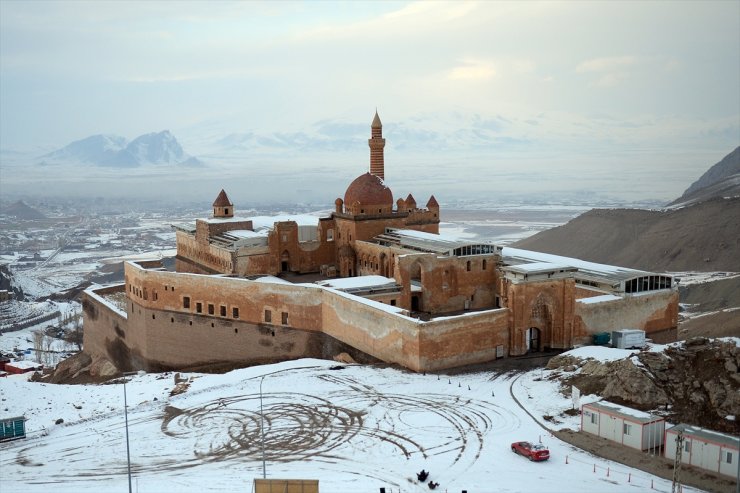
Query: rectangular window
329	235
223	311
235	312
285	318
627	429
594	419
393	302
186	301
199	307
211	309
268	316
687	446
728	457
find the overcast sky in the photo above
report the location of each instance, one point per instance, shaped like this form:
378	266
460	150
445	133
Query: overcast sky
588	76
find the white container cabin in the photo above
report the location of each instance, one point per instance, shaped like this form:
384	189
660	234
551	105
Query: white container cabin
621	424
628	338
707	449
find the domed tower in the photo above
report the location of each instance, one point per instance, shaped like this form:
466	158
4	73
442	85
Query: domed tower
222	206
376	143
367	194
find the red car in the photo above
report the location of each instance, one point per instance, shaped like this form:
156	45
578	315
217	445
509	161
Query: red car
532	451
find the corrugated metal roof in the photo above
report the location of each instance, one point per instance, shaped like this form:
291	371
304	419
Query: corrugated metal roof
704	434
624	411
428	242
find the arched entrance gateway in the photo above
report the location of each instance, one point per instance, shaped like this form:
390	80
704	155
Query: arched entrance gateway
285	261
540	324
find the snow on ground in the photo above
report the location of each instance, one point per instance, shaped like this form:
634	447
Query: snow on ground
355	429
688	278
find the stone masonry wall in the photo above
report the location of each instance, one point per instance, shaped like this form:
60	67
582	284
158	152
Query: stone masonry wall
656	313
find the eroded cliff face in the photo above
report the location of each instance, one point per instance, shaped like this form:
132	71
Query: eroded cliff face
695	382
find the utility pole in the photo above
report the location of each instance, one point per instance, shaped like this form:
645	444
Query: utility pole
125	414
262	429
676	487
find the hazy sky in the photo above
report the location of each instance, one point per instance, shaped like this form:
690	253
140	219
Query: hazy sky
577	77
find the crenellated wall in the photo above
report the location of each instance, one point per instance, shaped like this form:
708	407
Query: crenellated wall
179	320
160	331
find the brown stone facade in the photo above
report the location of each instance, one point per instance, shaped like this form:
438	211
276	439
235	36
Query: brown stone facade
444	304
175	320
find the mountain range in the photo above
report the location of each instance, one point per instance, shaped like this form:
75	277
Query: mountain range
698	232
157	149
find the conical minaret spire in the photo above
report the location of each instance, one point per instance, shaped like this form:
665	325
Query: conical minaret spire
376	143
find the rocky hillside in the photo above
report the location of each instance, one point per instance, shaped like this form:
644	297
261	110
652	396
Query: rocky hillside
721	180
695	382
702	237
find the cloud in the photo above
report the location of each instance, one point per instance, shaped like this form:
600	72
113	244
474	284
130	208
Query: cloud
471	69
606	64
612	70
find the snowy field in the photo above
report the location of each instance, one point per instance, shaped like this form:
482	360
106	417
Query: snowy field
355	430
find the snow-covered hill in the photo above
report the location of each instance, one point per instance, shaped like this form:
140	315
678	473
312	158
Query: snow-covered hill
356	429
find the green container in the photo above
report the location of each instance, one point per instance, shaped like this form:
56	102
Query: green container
601	339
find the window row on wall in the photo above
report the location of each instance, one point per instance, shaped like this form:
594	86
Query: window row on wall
209	308
221	310
143	293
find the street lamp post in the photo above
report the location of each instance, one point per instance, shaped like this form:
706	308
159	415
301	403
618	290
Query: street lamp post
125	415
262	429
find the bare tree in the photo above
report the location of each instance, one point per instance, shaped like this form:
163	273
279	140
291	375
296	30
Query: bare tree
38	343
74	333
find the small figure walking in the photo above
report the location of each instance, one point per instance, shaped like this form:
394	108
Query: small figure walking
432	485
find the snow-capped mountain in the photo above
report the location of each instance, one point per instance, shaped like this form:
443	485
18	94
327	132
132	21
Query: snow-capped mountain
96	149
159	148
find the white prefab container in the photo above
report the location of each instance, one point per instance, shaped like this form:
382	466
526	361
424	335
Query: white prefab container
621	424
628	338
707	449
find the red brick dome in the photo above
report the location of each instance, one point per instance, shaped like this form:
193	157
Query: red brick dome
368	189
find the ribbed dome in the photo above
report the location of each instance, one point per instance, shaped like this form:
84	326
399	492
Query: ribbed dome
368	189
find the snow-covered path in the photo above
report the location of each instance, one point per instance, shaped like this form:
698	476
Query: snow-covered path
355	429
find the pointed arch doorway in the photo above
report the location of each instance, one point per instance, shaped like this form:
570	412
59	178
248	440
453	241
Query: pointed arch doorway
533	339
285	261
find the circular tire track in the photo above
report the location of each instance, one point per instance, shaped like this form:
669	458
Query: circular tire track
298	426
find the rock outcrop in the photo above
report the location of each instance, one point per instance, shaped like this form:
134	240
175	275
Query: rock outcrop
696	382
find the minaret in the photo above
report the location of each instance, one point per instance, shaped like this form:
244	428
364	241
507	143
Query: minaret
376	143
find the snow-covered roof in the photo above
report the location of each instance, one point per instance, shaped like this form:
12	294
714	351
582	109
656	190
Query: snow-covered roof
269	221
598	299
24	365
433	243
586	270
245	233
539	267
704	434
358	282
628	412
